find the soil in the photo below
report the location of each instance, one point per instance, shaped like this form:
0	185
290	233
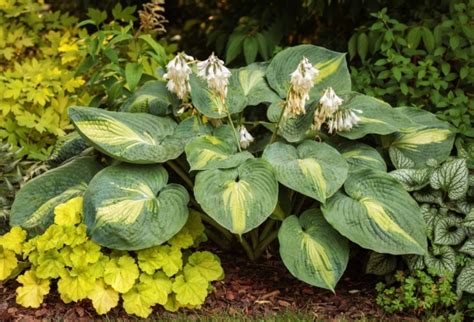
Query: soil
262	289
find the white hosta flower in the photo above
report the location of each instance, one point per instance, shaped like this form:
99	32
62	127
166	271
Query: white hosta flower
213	71
245	137
329	104
301	82
178	75
344	120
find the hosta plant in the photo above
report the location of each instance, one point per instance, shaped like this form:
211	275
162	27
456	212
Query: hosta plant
171	274
281	150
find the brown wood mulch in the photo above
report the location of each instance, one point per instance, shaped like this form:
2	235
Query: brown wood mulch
262	289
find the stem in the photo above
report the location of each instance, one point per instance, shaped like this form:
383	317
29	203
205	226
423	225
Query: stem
254	238
274	135
235	131
299	205
222	243
265	243
181	173
247	248
216	226
266	229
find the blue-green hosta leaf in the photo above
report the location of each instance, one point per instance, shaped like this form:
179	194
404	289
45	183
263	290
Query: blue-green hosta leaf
412	179
34	204
210	104
66	147
377	213
381	264
465	280
312	250
153	97
331	64
468	247
191	128
377	117
211	152
427	138
314	169
130	207
239	199
441	259
255	86
130	137
449	231
360	155
293	129
451	177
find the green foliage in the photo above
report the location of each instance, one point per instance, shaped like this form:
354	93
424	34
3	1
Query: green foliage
443	191
171	275
426	63
39	53
423	293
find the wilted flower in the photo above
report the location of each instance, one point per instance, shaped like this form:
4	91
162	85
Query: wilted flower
301	82
213	71
343	120
328	105
245	137
178	75
151	17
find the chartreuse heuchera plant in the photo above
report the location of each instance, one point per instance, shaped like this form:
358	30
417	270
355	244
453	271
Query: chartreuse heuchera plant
276	150
169	274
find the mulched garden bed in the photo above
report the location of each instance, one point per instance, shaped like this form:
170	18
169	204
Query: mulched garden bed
262	289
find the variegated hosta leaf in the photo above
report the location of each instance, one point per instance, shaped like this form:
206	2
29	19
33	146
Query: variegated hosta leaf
239	199
130	137
422	144
449	231
255	86
331	64
314	169
153	97
34	204
465	280
441	259
360	155
468	247
66	147
412	179
377	117
381	264
312	250
377	213
191	128
293	129
131	207
210	104
415	262
212	152
451	177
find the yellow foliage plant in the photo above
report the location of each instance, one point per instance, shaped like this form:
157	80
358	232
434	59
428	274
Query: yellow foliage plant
39	52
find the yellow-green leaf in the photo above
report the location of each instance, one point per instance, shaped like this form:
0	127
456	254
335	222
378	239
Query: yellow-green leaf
32	291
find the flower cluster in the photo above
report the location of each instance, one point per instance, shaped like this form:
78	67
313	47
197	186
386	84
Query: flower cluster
216	74
178	75
245	137
302	80
330	110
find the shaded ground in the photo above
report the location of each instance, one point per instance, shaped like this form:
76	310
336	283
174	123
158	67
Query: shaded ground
264	290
